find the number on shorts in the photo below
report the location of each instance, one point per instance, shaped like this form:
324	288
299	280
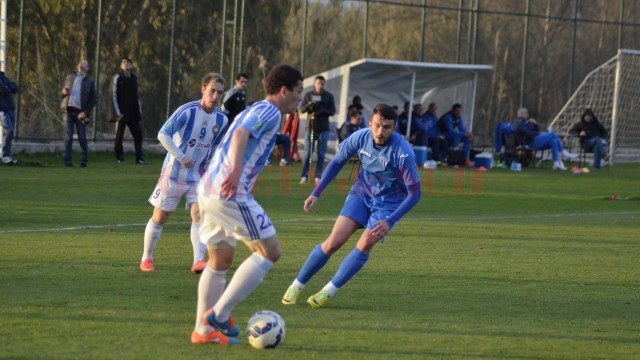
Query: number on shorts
265	223
155	196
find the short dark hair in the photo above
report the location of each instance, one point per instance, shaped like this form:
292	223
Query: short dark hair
387	112
353	112
126	58
242	75
215	77
456	106
320	77
279	76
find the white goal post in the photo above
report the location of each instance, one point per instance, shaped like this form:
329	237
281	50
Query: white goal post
612	91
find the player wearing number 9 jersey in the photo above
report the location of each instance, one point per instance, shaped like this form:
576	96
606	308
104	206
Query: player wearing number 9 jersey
190	136
230	213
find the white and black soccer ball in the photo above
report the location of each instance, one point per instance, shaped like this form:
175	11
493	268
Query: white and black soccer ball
265	330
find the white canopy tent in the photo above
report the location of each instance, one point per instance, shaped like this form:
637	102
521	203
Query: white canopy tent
395	82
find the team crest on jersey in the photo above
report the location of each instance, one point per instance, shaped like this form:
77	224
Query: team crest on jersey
384	161
216	130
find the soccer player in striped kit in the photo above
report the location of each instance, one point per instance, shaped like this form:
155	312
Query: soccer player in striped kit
190	136
230	213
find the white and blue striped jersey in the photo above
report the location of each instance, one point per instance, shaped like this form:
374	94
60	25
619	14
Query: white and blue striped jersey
197	134
262	120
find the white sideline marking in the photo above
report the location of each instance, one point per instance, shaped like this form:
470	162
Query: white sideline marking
478	218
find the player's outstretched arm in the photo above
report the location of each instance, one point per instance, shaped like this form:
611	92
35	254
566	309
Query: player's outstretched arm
310	203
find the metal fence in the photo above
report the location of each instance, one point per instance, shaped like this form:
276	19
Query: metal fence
569	38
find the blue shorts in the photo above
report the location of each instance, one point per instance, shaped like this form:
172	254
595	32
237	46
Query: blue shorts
359	209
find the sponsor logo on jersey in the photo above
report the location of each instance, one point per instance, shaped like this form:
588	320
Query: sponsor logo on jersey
363	152
403	155
194	143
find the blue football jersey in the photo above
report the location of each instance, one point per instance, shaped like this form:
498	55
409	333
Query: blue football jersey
386	170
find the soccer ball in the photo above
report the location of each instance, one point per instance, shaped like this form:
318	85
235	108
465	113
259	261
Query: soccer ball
265	330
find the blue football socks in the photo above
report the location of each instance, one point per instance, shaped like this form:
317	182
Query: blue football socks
316	260
349	267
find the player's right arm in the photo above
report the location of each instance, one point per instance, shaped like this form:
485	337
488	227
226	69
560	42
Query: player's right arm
239	141
165	136
310	203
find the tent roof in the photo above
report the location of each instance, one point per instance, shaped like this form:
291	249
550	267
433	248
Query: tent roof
390	81
393	75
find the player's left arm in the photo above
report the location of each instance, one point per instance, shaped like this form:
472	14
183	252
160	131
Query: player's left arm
411	178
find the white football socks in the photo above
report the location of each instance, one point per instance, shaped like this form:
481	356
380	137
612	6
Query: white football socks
151	236
198	248
210	288
246	279
331	289
297	284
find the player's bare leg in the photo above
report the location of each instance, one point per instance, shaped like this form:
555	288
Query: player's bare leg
199	263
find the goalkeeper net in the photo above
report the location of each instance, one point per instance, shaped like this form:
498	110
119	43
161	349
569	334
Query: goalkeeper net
612	91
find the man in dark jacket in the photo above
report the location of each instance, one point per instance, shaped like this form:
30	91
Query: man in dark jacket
7	119
235	100
320	106
78	99
591	133
127	110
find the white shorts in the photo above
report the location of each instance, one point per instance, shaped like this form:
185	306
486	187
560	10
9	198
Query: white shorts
168	193
227	221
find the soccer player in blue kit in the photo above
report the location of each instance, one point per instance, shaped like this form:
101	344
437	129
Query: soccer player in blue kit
388	186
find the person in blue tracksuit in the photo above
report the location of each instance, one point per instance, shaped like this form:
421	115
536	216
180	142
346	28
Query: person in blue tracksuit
528	133
452	127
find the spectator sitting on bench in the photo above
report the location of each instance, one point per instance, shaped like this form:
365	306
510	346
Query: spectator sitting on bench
427	132
354	124
591	133
528	134
452	127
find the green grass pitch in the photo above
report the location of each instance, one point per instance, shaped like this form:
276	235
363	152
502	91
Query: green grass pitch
528	265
